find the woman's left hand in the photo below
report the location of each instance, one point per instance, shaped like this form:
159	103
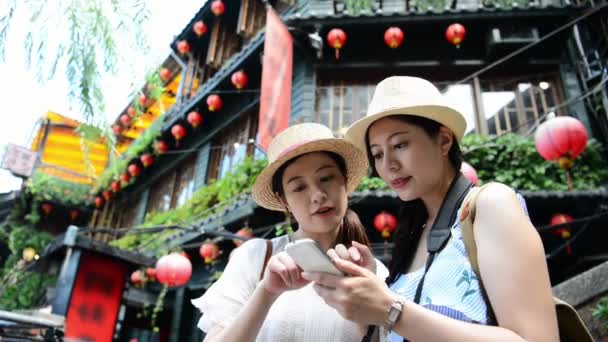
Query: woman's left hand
361	298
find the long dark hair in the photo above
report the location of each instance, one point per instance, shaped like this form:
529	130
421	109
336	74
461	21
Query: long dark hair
412	214
352	229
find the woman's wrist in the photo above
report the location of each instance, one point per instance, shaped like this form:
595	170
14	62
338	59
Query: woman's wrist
265	294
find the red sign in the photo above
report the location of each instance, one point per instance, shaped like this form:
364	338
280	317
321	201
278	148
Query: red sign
275	99
95	299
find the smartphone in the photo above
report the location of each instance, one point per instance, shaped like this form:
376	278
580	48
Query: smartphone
307	254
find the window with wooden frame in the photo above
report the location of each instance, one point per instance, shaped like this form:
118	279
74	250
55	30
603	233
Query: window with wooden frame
223	43
252	18
232	146
161	194
129	213
184	183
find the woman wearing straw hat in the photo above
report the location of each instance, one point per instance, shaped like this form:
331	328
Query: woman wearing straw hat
263	298
411	138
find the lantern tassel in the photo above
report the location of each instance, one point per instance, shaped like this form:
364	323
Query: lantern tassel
569	179
337	53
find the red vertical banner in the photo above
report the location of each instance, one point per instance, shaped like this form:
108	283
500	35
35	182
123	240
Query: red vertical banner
95	299
275	99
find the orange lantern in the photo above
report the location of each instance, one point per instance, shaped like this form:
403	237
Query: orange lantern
47	208
74	214
564	232
195	119
115	186
209	251
116	129
239	79
199	28
183	47
165	74
245	232
218	8
99	201
143	100
131	112
385	223
336	38
393	37
214	103
125	178
455	34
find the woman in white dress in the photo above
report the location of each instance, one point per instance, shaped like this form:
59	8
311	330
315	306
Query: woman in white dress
310	174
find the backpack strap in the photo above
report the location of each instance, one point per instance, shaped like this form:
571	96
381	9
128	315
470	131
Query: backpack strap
266	257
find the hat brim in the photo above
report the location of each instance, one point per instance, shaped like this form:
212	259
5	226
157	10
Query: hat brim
354	158
444	115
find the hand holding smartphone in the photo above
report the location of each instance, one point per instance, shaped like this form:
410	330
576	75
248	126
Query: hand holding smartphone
307	254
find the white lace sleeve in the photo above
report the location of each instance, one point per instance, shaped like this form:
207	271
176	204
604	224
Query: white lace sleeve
225	298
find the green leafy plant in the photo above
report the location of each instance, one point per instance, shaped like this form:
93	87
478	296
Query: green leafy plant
601	312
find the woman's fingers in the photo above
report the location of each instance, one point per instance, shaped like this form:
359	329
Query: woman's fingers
276	266
292	269
352	269
323	279
342	251
354	255
332	254
363	250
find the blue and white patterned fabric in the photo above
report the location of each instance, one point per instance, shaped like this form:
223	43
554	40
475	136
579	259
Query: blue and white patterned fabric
451	287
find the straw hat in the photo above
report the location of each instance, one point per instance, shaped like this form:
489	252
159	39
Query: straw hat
298	140
411	96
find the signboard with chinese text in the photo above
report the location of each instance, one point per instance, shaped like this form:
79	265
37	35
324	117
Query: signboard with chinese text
19	160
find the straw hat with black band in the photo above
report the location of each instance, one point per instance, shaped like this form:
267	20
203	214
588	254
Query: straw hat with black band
296	141
408	96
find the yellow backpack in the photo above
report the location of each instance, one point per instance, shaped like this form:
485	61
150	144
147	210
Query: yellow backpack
571	327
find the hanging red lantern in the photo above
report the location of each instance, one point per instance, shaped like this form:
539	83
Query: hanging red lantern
179	132
117	129
143	100
161	147
336	39
165	74
125	119
99	201
146	159
469	173
564	232
151	273
393	37
455	34
214	103
183	47
245	232
74	214
115	185
561	139
173	270
137	278
218	7
107	195
131	111
125	178
209	251
195	119
385	223
199	28
239	79
47	208
134	170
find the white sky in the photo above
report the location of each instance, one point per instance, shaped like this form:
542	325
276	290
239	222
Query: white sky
24	101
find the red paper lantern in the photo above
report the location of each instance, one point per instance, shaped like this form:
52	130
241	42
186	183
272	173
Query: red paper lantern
131	112
134	170
125	178
107	195
214	103
564	232
143	100
117	129
385	223
209	251
245	232
173	270
74	214
183	47
47	208
561	140
199	28
455	34
151	273
161	147
469	173
393	37
239	79
218	7
115	186
179	132
336	38
125	119
137	278
194	119
146	159
165	74
99	201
